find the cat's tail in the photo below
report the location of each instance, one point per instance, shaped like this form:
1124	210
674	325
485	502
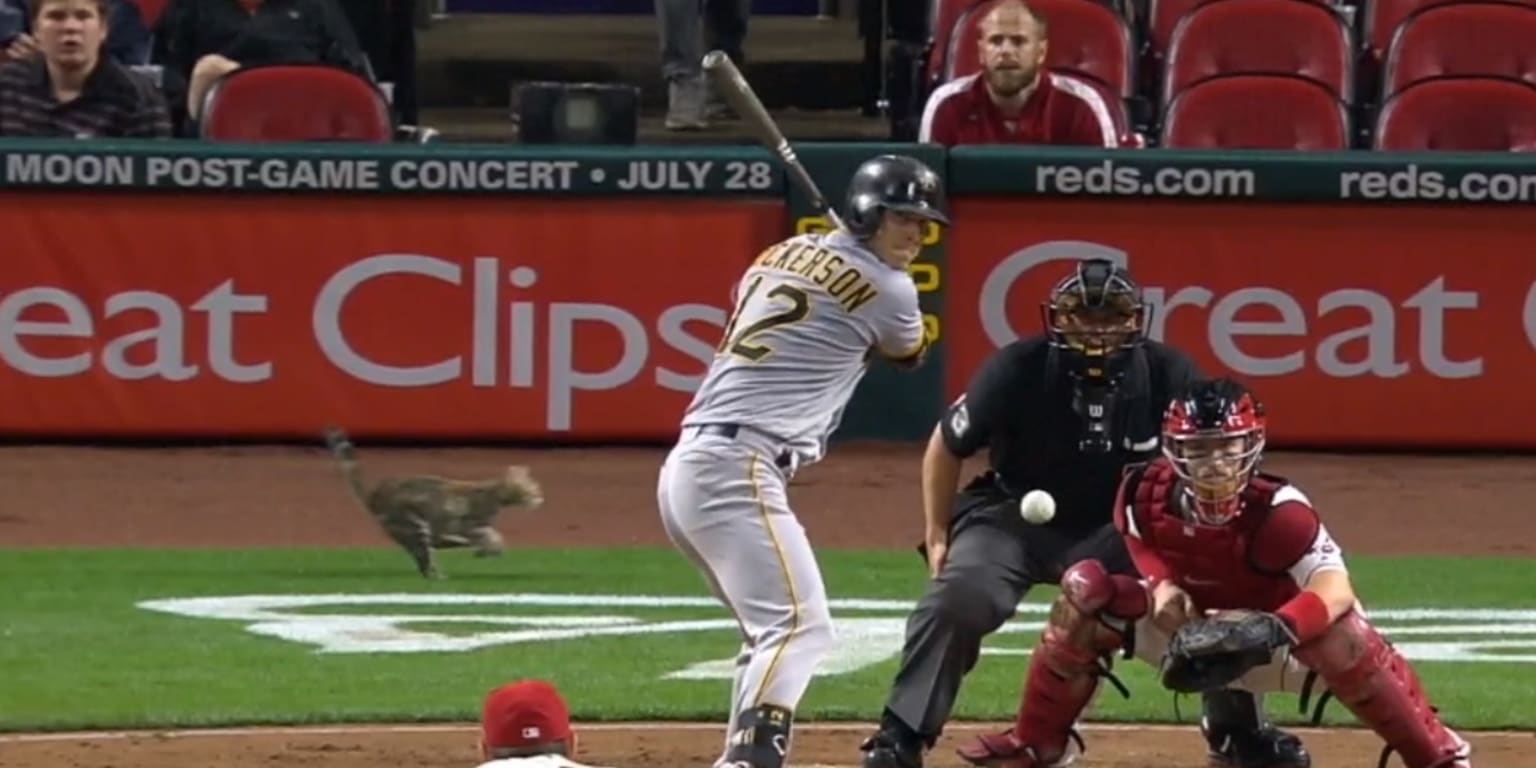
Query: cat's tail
341	448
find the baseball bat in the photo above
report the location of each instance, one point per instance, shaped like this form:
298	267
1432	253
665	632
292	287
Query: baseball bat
734	87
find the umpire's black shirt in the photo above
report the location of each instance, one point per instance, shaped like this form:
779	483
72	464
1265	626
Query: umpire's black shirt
1019	405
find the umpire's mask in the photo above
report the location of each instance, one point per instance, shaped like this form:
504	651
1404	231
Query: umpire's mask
1094	319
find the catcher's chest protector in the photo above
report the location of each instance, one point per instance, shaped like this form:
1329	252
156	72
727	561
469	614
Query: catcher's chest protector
1211	563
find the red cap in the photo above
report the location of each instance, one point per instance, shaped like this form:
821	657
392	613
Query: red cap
524	713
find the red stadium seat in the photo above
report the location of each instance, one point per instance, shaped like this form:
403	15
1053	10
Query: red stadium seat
1086	38
150	11
1114	101
946	14
1163	18
1279	37
1382	18
291	103
1256	112
1497	39
1459	114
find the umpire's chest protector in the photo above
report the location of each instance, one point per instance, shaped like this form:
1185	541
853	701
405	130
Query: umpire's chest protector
1039	446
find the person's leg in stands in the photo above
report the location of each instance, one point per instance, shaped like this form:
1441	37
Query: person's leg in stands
725	29
208	69
681	55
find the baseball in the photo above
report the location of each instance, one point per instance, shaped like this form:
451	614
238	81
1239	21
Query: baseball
1037	507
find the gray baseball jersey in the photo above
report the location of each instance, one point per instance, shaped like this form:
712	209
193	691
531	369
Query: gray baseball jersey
809	314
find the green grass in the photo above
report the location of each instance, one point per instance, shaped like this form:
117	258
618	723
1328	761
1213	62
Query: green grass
76	651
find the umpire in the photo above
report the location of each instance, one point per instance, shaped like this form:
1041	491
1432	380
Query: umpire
1064	412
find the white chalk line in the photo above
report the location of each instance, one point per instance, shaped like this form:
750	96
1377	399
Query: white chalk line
652	726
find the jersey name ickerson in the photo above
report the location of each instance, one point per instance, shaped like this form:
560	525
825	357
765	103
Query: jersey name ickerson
810	313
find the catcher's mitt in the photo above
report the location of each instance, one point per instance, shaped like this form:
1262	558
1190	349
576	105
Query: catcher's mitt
1209	653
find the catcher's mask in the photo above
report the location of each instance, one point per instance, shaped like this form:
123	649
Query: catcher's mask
1213	434
1094	317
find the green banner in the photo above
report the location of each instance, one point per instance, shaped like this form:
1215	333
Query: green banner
1460	178
394	169
890	404
748	171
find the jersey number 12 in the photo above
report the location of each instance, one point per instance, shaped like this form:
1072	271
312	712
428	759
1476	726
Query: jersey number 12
796	306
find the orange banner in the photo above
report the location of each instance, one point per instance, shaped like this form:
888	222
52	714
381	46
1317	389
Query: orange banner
267	316
1358	325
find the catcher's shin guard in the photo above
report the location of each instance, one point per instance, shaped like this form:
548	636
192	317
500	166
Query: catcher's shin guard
1087	625
760	738
1365	673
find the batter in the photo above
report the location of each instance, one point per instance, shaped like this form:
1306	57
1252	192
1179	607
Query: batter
810	313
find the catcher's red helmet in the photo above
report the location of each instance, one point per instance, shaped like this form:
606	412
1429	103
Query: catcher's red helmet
1214	433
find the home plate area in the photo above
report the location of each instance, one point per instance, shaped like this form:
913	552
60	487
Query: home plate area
647	745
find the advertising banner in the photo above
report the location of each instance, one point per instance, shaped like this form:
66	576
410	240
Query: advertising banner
390	169
1431	178
443	317
1358	325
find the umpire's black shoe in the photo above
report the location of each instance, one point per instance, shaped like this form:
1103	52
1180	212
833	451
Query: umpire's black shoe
1267	747
889	748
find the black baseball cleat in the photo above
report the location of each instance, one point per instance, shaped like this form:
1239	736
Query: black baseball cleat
1267	747
891	749
760	739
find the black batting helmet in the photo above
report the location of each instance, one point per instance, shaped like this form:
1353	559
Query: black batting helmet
892	182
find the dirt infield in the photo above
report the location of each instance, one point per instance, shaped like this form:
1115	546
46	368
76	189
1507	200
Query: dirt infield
863	496
647	745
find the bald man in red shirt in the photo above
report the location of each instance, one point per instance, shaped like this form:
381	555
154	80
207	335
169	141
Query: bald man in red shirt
1014	99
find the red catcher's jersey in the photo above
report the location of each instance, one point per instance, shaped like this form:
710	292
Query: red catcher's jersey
1259	560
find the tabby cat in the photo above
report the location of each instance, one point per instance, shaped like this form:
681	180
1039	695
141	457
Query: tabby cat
425	512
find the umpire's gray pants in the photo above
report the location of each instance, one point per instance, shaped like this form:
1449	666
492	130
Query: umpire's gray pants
688	27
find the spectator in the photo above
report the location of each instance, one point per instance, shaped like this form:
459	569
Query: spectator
1015	99
386	31
127	37
13	27
199	41
690	103
69	89
527	725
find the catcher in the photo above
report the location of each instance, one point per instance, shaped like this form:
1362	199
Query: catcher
423	512
1210	534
